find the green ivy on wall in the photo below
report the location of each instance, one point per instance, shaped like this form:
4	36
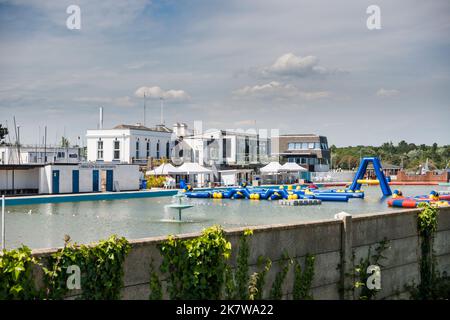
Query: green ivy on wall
196	267
16	281
303	279
101	267
155	284
433	285
265	264
276	293
359	273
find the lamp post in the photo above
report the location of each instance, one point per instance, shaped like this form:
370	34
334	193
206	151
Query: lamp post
3	223
162	110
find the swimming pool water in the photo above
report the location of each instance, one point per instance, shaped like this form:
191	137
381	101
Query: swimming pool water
44	225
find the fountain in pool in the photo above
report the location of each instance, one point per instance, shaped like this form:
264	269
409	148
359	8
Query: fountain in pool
179	205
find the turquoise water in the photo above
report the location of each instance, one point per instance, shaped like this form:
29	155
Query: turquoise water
44	225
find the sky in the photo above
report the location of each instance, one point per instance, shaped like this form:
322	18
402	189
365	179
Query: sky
293	65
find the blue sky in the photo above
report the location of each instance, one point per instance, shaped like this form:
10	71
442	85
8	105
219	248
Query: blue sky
296	66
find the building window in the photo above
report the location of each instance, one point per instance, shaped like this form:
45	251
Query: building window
291	146
99	150
148	149
116	150
311	145
157	150
137	149
167	150
61	155
304	145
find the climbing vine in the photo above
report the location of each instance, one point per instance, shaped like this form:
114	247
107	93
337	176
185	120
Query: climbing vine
196	267
155	285
432	284
252	288
16	281
276	293
265	264
359	273
101	267
303	279
242	276
237	284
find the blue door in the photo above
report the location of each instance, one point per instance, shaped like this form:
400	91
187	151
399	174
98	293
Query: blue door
109	180
55	181
75	181
95	180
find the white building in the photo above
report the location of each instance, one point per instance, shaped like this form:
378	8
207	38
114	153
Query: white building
227	148
128	144
28	154
68	178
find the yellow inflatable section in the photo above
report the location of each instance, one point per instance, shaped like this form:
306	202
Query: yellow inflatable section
368	181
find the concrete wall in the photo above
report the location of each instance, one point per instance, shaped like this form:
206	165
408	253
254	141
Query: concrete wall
430	176
331	241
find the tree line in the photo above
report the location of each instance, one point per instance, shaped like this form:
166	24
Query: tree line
408	156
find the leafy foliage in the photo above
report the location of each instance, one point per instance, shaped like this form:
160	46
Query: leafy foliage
360	275
242	276
155	285
276	293
196	267
101	268
3	133
261	281
427	220
65	142
408	154
155	181
16	281
303	279
252	286
432	285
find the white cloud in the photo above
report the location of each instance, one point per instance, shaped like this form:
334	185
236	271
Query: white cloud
386	93
296	66
276	89
157	93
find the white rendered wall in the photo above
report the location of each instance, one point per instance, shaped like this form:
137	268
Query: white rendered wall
127	139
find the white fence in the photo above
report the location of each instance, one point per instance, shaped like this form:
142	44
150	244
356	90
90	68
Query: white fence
333	176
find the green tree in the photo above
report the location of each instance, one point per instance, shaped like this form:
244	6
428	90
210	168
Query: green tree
65	142
3	133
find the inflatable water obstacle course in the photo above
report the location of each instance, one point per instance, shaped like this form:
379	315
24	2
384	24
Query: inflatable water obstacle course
273	193
300	192
434	198
310	192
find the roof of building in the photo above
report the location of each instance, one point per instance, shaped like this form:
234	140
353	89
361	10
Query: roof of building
228	132
300	135
159	128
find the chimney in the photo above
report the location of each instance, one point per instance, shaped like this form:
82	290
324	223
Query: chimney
100	122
